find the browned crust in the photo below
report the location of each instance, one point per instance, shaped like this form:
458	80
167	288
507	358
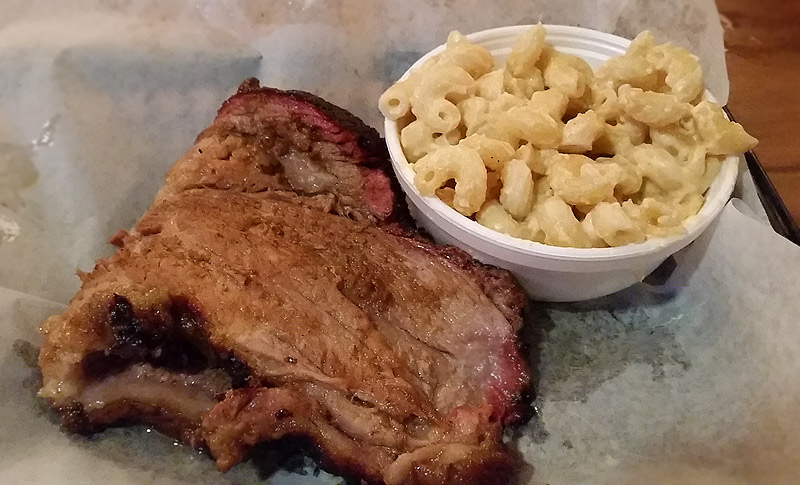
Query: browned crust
498	284
254	415
276	413
370	150
366	137
482	467
124	412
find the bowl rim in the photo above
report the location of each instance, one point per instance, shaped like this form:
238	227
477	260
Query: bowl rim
693	226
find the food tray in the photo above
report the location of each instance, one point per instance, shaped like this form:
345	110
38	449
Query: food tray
691	375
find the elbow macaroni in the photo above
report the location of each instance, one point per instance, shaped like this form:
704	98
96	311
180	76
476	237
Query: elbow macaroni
516	194
459	163
525	54
494	153
543	148
580	133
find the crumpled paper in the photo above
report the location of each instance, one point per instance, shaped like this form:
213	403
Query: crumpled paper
690	377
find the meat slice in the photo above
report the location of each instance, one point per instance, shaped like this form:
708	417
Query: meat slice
235	313
268	139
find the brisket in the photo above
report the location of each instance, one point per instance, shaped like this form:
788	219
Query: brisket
276	288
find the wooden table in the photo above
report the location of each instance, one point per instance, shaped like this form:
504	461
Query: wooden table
763	55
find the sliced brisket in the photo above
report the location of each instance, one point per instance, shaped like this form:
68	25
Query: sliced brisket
276	288
268	139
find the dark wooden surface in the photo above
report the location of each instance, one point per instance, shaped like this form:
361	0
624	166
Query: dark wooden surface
763	54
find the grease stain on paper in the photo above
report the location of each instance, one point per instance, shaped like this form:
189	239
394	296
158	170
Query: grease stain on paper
588	343
28	354
17	171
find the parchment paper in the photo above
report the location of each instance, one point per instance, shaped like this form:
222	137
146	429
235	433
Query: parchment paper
692	377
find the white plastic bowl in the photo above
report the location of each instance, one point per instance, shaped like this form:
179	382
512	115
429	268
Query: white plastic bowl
547	272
